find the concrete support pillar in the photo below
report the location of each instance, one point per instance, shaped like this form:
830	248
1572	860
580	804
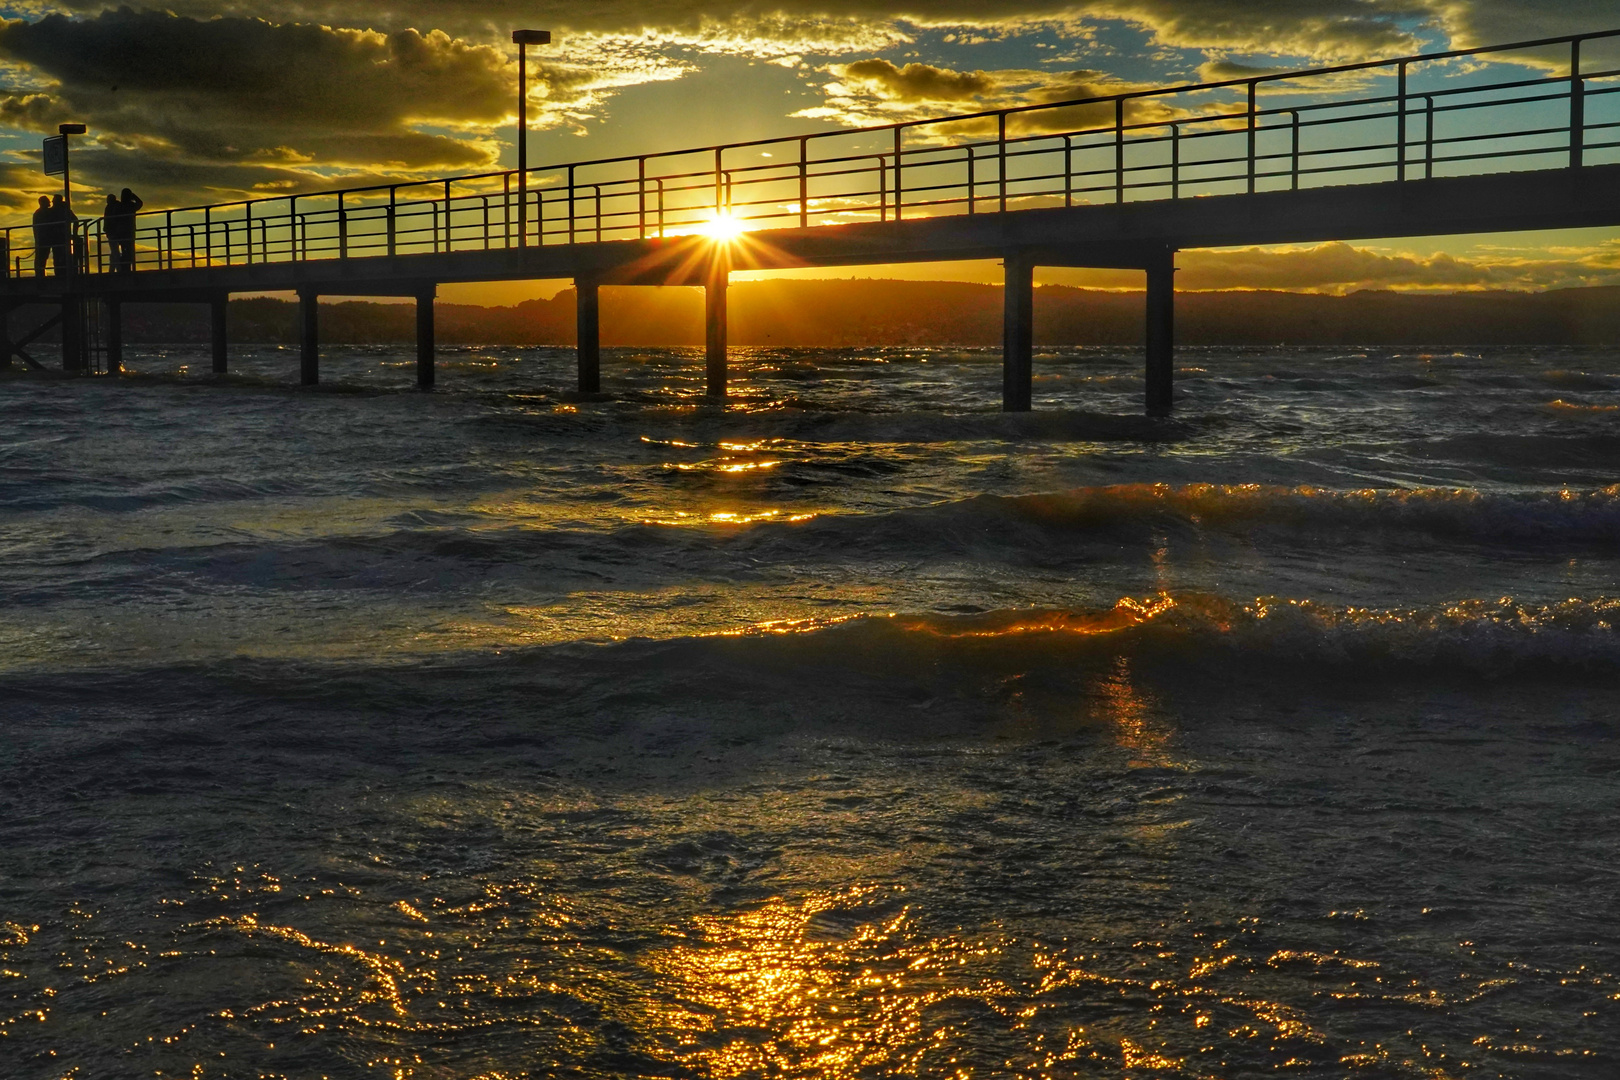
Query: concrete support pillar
588	339
1018	334
424	336
218	310
309	339
714	321
113	334
1161	334
72	333
6	348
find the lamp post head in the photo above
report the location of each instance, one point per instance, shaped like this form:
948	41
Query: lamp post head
71	129
531	37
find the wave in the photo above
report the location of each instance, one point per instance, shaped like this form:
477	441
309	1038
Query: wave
1266	636
1459	513
867	665
1086	526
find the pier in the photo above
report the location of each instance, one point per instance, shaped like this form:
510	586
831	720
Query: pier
1410	146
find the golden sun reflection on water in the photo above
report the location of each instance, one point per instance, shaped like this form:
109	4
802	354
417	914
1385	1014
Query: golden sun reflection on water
1139	725
851	983
792	987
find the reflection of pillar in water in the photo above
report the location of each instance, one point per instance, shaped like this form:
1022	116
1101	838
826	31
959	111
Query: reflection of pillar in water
1134	714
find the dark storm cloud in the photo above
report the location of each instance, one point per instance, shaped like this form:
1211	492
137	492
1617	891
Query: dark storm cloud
1327	28
239	90
254	71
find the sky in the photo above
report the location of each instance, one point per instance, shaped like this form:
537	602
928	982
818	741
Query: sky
211	100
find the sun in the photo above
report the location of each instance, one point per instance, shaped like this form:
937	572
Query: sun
722	228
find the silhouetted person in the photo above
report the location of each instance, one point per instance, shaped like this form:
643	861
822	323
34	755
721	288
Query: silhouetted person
109	229
120	225
42	235
62	221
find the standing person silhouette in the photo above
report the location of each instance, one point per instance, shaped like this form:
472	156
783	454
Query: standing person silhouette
120	226
42	235
109	229
62	221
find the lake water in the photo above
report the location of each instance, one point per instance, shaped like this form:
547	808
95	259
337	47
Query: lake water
856	730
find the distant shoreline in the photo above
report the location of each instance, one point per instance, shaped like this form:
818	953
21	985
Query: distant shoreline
878	313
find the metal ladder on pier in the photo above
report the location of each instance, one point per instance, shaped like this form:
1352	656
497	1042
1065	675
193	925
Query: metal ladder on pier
80	324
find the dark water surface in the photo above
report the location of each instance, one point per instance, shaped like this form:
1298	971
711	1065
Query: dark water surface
857	730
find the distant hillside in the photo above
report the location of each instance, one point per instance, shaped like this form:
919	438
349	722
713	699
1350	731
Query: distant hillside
871	313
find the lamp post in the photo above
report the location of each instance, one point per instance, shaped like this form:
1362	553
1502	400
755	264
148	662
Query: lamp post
56	157
523	39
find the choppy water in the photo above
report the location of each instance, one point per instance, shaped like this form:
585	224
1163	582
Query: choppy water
856	731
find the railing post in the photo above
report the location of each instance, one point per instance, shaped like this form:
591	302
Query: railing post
1001	154
719	181
1119	150
973	169
1577	108
641	197
1294	166
447	234
1175	160
1068	169
247	224
208	233
883	188
1400	112
1428	137
393	204
804	182
1254	119
570	204
899	188
343	229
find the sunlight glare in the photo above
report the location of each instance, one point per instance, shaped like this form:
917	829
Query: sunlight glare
722	228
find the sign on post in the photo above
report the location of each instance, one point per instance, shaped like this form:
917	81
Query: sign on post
56	155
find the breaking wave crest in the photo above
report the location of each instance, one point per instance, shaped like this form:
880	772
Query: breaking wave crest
1488	637
1452	512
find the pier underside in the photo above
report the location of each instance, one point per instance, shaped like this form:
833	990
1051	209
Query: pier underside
1141	236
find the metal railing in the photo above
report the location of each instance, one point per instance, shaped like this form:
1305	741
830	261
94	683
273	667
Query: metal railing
1275	131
